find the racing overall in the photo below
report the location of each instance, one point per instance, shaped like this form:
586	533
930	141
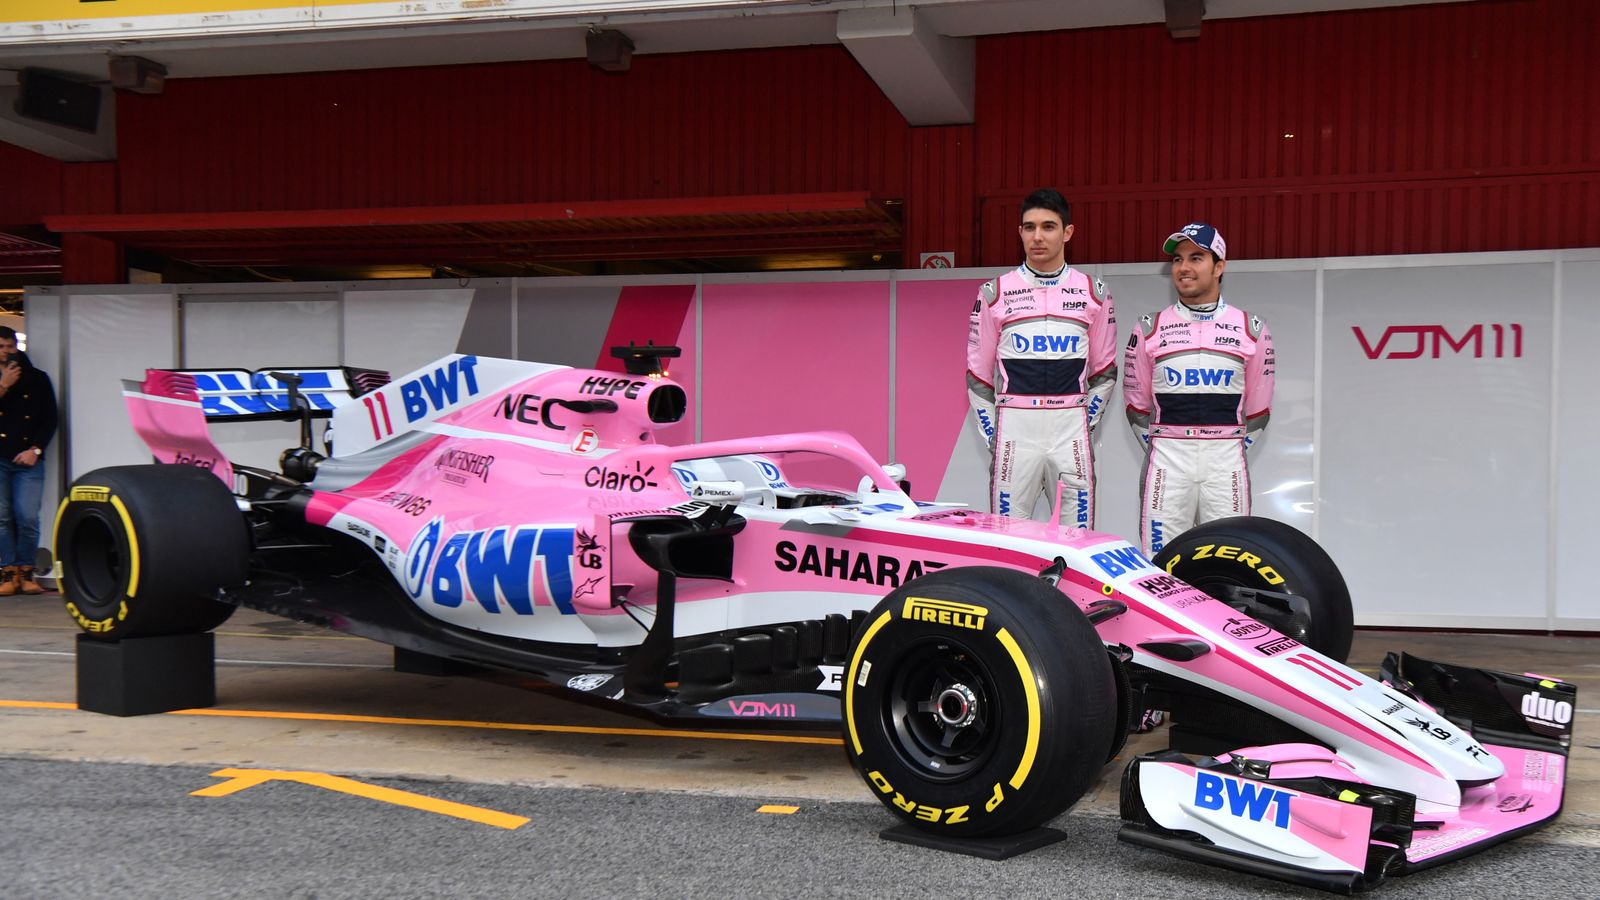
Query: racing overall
1041	363
1199	391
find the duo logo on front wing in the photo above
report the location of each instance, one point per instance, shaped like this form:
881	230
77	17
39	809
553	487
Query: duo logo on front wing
525	566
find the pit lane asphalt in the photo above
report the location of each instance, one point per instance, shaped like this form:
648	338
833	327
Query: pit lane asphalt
99	806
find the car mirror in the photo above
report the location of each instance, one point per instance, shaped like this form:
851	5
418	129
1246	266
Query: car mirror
721	493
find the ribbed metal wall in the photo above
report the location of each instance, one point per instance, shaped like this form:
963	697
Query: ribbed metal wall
1456	127
795	120
30	186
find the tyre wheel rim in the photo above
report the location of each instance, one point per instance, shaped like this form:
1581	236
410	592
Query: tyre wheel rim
941	711
97	570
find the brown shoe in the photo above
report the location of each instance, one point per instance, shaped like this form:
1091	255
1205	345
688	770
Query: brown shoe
8	581
24	581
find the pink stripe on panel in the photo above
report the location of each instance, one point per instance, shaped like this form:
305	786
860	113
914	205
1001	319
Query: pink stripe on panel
930	376
644	313
807	356
662	313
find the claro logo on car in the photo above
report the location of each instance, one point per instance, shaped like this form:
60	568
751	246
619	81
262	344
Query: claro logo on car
850	565
524	566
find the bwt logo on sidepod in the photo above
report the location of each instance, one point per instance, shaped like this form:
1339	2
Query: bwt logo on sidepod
1197	377
523	566
1242	799
1045	343
433	391
1121	561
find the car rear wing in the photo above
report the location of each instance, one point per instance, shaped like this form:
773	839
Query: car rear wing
242	395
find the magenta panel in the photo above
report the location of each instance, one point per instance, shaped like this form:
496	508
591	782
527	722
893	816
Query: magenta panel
930	362
804	356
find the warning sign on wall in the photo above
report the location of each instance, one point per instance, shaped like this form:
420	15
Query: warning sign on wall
942	259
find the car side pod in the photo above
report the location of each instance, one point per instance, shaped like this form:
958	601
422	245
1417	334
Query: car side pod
1318	831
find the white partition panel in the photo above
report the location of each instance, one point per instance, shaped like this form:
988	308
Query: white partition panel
1435	442
1433	425
1575	437
254	330
400	331
110	337
44	327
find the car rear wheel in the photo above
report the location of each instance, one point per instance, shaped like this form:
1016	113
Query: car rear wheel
1267	555
978	701
144	549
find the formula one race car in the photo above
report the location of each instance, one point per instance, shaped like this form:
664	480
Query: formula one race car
522	518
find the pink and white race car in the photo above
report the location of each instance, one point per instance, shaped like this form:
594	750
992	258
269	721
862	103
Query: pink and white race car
520	517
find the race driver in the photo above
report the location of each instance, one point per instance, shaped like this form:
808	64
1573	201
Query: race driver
1198	383
1041	364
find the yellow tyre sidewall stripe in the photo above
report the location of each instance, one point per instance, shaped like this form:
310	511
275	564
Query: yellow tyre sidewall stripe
1030	689
850	678
133	546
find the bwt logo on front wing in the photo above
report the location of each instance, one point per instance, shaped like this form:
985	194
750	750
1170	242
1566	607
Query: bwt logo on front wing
522	566
1197	377
1242	799
1045	343
1411	341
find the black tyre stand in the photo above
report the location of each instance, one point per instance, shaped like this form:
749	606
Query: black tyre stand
143	675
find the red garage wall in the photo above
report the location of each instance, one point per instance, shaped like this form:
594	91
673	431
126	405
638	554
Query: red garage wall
1422	129
30	186
796	120
1457	127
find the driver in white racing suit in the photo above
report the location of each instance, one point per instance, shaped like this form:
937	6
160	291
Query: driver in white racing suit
1041	365
1197	377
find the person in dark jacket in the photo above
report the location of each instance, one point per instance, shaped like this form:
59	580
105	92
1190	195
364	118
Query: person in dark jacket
27	423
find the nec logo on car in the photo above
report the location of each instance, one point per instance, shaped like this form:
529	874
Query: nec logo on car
1242	799
1045	343
1197	377
523	566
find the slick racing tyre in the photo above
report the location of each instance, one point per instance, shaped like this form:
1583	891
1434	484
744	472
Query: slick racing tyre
1265	554
978	701
143	550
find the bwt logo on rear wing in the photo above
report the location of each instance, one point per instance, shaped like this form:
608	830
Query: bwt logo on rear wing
243	395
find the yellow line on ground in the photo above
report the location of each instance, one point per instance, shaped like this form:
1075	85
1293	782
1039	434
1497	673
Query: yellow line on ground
778	810
239	779
467	723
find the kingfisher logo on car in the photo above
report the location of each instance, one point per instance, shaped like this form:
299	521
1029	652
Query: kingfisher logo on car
523	566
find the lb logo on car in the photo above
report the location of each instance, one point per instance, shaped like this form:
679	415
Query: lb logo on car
1242	799
945	612
524	566
1121	561
1238	554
